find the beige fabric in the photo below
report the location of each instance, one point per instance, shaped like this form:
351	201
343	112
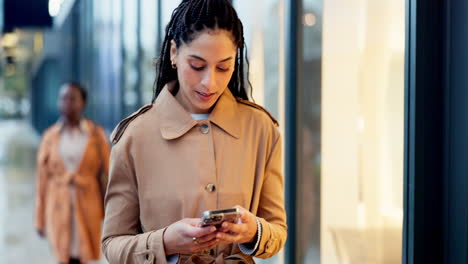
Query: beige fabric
54	209
162	164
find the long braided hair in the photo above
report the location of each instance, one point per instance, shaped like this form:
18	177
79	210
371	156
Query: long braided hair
192	17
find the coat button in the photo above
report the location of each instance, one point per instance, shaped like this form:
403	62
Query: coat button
210	187
205	129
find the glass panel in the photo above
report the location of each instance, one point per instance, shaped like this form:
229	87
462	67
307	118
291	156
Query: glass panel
263	22
308	234
264	36
167	7
130	55
105	103
148	22
362	131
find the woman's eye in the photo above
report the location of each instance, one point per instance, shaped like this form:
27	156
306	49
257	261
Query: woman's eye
197	68
200	68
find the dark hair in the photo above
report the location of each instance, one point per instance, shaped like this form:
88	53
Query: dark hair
80	87
192	17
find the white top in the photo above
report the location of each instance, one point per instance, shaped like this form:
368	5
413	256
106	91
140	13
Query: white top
200	116
71	147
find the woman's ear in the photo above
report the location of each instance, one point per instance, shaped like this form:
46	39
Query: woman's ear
173	51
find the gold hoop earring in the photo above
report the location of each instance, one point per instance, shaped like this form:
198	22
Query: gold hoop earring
174	66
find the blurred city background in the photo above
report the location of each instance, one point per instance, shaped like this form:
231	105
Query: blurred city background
350	177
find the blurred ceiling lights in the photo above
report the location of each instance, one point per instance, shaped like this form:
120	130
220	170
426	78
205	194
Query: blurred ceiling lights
9	40
309	19
54	7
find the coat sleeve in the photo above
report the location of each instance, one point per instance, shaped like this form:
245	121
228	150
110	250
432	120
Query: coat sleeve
271	211
42	182
122	240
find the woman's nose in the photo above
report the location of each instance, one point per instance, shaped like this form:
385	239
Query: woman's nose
209	79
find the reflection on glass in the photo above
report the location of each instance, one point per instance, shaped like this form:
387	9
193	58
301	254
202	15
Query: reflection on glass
362	131
167	7
264	36
263	22
309	194
148	24
99	61
130	55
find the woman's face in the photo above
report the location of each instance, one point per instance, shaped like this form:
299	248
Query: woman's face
204	69
71	102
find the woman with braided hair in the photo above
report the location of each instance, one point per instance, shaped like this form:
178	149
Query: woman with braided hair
200	145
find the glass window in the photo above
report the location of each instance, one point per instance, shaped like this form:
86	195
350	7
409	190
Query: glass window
130	56
104	71
148	22
264	35
309	183
167	7
352	142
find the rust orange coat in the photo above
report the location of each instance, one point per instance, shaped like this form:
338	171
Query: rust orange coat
53	205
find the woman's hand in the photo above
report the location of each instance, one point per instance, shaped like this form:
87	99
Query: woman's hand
179	237
242	232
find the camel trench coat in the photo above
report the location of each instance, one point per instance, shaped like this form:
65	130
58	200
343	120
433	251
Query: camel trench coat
166	166
53	205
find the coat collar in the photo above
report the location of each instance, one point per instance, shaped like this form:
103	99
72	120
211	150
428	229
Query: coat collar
176	121
225	114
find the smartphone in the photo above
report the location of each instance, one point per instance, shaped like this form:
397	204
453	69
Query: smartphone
217	217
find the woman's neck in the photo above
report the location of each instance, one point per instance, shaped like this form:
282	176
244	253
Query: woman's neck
71	121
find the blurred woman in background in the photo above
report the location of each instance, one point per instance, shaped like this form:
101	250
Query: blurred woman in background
72	163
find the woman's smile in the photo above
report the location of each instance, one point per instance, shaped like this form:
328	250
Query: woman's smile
206	97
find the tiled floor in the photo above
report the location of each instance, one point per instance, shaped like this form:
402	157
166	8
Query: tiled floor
19	242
